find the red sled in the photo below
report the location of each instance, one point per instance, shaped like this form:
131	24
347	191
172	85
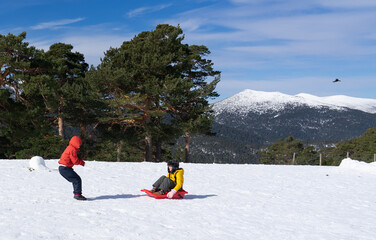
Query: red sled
179	195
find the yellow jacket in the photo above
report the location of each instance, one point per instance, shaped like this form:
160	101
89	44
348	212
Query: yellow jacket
178	178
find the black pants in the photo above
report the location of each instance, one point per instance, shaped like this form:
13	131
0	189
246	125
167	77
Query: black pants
70	175
165	184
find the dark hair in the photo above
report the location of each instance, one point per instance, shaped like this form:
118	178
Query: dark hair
174	164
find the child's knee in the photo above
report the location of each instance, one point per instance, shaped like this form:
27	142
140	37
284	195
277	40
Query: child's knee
76	180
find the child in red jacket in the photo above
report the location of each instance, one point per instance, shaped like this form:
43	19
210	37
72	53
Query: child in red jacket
67	160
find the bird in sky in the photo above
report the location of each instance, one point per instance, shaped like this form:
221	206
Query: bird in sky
337	80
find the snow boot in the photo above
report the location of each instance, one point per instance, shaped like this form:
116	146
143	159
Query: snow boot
79	197
159	193
154	190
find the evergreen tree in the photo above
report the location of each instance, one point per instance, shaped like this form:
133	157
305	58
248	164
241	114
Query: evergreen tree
309	156
282	151
145	78
23	130
16	62
189	100
362	148
61	85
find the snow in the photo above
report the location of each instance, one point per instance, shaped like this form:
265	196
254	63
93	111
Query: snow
362	104
355	165
37	163
224	202
261	102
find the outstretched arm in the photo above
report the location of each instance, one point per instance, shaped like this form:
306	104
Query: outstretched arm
75	160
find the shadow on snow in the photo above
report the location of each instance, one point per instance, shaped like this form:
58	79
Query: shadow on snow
118	196
125	196
189	197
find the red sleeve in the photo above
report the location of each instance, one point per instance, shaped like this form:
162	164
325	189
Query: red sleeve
75	160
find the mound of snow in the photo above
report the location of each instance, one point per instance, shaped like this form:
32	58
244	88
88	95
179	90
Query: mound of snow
37	163
349	163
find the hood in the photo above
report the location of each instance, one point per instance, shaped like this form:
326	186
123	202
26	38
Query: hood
75	142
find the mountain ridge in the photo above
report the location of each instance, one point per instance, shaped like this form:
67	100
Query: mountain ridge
261	102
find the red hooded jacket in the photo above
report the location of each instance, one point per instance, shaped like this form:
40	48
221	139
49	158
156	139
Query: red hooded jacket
69	156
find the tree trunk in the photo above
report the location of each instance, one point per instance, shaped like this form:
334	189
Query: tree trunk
83	131
61	127
293	159
320	159
118	151
187	140
60	120
158	152
148	149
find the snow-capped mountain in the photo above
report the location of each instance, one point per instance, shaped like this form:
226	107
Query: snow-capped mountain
252	119
274	115
262	102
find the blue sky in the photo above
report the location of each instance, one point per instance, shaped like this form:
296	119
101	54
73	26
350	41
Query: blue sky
290	46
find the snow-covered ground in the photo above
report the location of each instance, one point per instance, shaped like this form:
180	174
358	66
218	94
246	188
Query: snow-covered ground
224	202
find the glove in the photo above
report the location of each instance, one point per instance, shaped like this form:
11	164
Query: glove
171	193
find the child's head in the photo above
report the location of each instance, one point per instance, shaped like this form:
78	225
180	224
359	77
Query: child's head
172	165
75	142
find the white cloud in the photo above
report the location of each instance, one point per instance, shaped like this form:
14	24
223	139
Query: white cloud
94	46
55	24
41	44
145	10
137	11
309	48
91	45
189	24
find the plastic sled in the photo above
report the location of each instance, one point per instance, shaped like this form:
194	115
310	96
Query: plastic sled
179	195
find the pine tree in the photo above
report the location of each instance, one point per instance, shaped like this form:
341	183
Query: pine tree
61	84
190	100
282	151
16	61
147	82
362	148
22	124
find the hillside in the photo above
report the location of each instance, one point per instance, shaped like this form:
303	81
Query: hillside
224	202
253	119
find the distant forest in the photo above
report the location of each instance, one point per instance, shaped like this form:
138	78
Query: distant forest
291	151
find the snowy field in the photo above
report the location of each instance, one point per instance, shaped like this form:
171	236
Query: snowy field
224	202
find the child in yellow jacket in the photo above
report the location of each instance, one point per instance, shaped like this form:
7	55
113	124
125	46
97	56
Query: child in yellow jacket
172	183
